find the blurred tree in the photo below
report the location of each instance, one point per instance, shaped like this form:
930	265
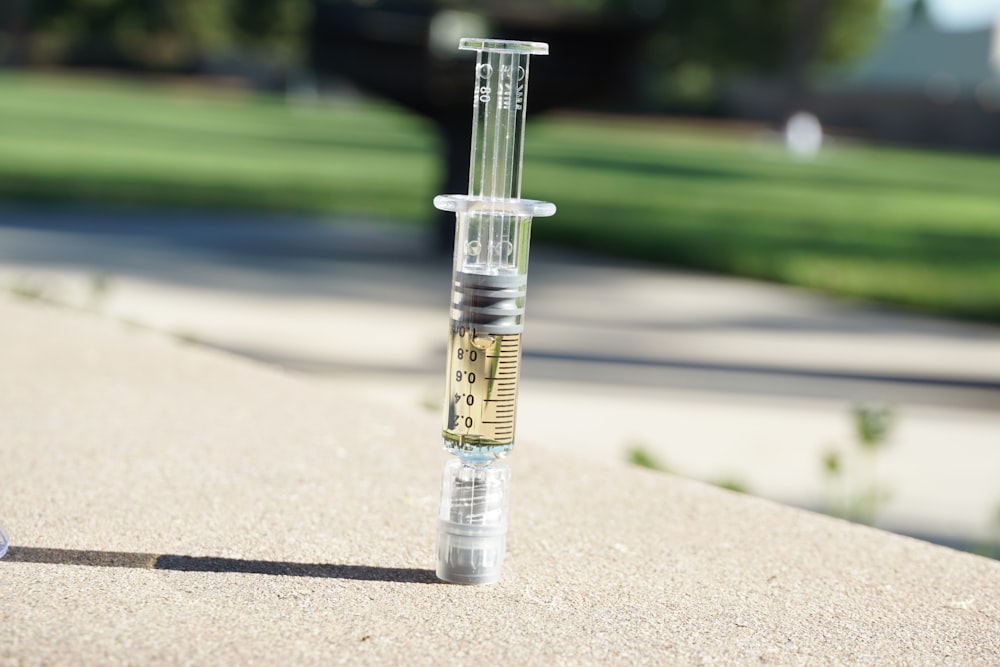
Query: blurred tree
695	45
758	34
150	34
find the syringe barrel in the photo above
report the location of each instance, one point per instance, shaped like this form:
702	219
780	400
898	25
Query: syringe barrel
490	270
499	100
489	283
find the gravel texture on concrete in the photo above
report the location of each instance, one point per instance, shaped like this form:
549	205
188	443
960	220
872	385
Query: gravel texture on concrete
174	505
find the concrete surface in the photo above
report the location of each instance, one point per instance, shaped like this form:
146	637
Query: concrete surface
169	504
719	378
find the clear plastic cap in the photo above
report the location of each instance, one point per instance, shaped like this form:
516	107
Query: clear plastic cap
472	522
4	542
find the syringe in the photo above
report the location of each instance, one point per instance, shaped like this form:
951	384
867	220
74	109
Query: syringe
489	279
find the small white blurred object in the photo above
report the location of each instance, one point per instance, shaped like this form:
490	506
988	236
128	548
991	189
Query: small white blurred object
803	135
3	541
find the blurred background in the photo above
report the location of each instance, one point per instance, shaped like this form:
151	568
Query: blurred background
775	265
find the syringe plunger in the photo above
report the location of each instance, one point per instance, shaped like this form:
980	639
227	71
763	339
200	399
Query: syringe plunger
499	101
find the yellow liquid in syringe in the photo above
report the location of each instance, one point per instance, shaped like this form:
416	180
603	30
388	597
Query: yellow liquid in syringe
481	391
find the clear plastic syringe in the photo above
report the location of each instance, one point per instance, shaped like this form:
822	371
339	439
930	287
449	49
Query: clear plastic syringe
489	278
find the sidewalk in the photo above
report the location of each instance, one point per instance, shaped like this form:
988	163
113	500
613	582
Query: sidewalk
721	379
170	504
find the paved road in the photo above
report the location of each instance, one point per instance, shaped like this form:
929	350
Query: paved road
719	378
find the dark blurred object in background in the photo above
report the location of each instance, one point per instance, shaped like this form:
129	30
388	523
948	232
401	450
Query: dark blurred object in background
613	55
408	52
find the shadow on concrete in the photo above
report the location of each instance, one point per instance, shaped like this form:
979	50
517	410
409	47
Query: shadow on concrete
774	370
146	561
376	262
276	255
721	378
269	257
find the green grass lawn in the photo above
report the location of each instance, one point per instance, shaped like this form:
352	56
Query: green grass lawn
912	228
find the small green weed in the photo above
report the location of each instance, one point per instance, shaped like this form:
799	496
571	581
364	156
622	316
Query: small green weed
639	455
853	487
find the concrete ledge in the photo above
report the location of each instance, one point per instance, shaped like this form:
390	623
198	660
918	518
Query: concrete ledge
169	504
